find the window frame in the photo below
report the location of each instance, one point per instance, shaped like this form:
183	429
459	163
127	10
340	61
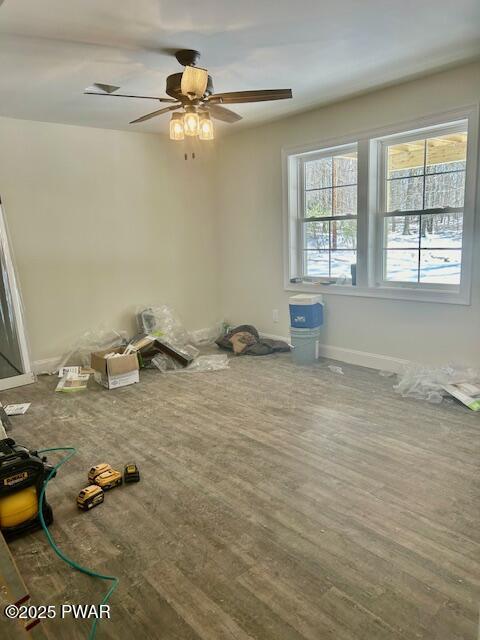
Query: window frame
302	221
368	194
381	213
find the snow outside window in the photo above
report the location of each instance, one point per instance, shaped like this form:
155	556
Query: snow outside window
329	214
423	194
387	213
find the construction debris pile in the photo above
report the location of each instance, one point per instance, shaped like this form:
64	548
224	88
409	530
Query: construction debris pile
161	343
433	384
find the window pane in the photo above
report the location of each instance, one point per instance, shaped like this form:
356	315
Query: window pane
445	190
343	234
317	263
345	169
316	235
440	266
345	201
405	159
405	194
341	263
401	232
318	203
318	173
442	230
401	265
447	153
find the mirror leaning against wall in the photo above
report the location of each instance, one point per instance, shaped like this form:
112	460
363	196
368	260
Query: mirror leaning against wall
15	364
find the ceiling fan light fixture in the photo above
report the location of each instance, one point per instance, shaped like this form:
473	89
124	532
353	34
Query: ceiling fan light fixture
206	127
192	90
191	122
194	82
177	131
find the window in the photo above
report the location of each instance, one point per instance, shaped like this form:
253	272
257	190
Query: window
387	214
423	193
329	212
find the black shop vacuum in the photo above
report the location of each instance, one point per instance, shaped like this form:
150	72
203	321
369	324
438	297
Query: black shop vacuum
22	475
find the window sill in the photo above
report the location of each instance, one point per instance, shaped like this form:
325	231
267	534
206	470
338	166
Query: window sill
388	293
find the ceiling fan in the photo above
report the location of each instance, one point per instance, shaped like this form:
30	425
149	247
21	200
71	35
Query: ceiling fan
192	92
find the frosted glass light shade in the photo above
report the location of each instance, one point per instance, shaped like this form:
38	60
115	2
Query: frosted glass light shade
191	123
176	127
206	127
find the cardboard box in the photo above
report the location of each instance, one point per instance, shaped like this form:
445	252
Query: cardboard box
115	372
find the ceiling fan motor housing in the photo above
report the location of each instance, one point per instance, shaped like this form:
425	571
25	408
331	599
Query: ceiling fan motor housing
187	57
174	86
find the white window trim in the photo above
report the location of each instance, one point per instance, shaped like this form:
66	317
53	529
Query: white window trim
367	201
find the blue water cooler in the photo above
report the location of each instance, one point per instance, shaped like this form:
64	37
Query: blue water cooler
306	319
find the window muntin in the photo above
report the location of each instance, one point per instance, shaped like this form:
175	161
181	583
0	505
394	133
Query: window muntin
424	192
328	213
441	252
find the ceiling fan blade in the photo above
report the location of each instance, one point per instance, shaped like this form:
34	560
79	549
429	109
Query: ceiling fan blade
124	95
107	88
156	113
261	95
220	113
194	82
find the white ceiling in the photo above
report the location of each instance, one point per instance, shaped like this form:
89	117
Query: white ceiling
51	50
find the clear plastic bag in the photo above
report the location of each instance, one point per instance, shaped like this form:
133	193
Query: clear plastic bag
165	363
208	363
199	365
162	322
96	339
206	337
426	383
335	369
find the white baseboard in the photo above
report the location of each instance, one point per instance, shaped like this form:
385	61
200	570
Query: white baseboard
352	356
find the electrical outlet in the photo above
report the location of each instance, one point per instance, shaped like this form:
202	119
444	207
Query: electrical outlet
275	315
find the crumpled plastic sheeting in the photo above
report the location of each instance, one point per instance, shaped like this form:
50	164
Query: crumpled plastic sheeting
426	383
207	363
206	337
199	365
164	362
96	339
162	322
335	369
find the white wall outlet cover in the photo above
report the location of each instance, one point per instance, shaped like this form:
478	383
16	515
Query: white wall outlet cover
275	315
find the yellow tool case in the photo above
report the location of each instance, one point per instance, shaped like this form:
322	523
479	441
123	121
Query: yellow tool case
22	474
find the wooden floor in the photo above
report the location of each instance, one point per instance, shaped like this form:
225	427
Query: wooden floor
276	503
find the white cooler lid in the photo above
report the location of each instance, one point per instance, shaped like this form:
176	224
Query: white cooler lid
306	299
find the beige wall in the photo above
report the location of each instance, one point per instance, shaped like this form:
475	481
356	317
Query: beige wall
249	205
102	221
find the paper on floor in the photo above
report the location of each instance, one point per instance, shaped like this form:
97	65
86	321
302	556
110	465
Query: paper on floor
17	409
73	382
463	393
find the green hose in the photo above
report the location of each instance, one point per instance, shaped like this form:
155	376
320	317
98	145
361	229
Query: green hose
53	544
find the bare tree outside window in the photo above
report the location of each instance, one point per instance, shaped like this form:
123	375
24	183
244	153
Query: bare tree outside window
425	187
329	214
